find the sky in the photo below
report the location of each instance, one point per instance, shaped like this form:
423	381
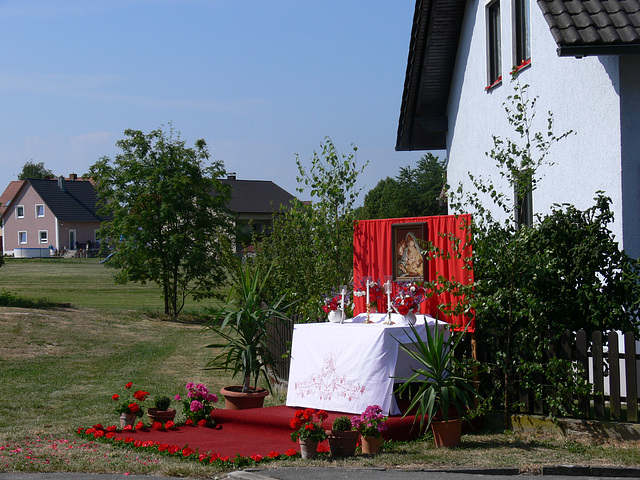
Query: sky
259	80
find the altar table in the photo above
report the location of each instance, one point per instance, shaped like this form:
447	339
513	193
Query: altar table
347	367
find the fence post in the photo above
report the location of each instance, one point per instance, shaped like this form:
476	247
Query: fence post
630	370
614	375
598	374
583	360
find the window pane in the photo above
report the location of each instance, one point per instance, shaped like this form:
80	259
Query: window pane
44	237
20	211
495	71
523	49
40	210
22	237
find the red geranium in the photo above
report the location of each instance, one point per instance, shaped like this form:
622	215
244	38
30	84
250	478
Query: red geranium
130	405
304	426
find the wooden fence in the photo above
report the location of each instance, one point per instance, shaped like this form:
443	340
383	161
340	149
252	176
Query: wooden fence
612	372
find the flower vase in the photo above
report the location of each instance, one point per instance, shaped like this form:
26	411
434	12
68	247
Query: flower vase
371	444
308	449
336	316
409	319
127	419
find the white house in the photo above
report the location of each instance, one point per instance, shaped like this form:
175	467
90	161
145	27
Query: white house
581	60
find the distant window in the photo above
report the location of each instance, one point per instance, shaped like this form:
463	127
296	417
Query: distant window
22	238
524	201
39	210
494	58
20	211
521	44
44	236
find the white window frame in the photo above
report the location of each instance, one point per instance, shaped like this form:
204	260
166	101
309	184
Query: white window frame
46	236
18	209
521	29
20	235
494	44
37	214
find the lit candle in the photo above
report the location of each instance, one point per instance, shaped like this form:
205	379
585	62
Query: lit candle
343	291
368	280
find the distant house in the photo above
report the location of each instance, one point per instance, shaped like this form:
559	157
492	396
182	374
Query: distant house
580	58
49	216
254	203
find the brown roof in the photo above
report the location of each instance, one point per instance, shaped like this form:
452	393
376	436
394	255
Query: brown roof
9	194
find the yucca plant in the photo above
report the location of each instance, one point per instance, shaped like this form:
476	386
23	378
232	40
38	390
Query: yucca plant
443	381
242	323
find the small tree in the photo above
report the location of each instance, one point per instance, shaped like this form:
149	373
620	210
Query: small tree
169	223
34	170
310	249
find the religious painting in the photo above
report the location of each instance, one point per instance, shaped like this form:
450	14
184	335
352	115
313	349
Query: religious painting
408	242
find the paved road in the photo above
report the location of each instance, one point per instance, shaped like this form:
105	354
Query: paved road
291	473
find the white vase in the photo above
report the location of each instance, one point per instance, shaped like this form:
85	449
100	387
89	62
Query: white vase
408	319
336	316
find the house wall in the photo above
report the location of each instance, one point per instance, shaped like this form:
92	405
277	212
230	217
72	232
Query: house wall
583	95
28	198
630	93
85	232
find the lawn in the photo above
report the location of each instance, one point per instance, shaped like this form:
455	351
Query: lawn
82	282
60	366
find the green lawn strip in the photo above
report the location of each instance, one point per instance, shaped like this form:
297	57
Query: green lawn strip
84	282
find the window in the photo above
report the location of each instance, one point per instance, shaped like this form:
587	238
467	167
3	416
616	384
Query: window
44	236
22	238
39	211
20	211
493	45
521	43
524	200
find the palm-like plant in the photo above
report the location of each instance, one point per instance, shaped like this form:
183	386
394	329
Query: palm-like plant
243	324
443	380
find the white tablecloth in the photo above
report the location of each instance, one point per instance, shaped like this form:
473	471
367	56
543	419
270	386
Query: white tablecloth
347	367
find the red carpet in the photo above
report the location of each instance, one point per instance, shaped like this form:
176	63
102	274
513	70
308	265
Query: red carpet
259	430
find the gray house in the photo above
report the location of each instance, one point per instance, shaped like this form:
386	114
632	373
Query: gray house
254	203
580	59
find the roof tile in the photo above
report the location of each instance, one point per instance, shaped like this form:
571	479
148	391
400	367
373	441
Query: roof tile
593	22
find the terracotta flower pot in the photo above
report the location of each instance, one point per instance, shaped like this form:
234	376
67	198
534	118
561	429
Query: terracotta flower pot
371	444
447	434
308	449
162	416
236	399
127	419
342	443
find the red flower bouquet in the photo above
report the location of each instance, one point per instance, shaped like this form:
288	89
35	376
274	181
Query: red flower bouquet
408	298
130	405
305	428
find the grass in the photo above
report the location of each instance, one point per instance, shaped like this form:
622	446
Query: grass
82	282
60	366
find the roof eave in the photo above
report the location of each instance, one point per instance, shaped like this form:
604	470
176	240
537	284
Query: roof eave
580	51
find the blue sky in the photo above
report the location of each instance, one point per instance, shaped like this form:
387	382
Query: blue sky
259	80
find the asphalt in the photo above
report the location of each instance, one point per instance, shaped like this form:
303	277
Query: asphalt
555	472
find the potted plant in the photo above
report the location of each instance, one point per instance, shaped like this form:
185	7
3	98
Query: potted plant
370	424
442	382
129	409
161	413
198	404
307	432
242	323
342	437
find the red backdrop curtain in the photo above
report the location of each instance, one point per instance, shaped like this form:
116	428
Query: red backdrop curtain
373	256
